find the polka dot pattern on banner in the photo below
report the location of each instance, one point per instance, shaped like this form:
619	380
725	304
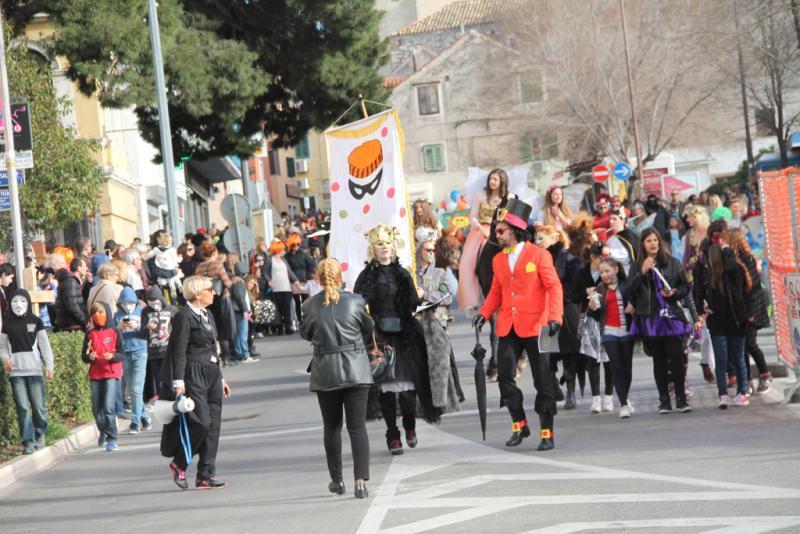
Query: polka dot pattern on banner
365	209
402	212
335	186
384	131
357	228
390	192
343	214
345	266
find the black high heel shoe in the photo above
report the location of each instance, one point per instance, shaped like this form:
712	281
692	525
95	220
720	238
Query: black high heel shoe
336	487
361	490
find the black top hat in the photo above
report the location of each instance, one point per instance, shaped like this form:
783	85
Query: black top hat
516	213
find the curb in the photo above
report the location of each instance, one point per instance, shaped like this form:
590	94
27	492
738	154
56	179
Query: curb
26	465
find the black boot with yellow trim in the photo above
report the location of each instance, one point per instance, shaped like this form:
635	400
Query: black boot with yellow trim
520	431
547	442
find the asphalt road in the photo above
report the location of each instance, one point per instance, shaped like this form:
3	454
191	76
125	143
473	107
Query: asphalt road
707	471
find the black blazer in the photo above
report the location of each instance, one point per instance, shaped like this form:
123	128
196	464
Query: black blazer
192	340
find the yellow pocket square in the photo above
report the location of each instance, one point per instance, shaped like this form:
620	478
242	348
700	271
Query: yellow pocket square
530	267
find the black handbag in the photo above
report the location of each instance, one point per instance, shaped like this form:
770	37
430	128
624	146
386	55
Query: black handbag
390	325
381	360
217	287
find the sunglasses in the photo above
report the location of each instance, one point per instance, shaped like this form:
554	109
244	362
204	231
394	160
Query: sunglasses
428	250
501	231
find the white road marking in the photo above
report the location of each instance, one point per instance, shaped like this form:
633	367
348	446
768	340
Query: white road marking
730	525
439	451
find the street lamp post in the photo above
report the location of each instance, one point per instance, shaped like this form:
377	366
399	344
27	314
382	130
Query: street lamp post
163	121
639	162
11	162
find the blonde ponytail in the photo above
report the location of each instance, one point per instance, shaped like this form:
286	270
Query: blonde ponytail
329	273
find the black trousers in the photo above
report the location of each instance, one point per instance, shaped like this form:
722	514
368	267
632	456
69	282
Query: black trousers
509	351
204	385
570	363
753	350
668	366
408	406
593	369
299	299
283	301
620	355
354	402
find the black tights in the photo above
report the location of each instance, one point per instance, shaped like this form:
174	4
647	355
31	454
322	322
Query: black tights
753	350
593	367
408	405
354	401
620	355
668	366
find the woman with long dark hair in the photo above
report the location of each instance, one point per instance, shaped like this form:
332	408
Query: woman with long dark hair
655	288
756	300
724	295
336	323
484	206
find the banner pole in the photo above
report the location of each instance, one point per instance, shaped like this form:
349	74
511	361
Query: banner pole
363	106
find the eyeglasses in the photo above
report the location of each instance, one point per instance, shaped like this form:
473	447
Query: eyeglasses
428	250
501	231
208	289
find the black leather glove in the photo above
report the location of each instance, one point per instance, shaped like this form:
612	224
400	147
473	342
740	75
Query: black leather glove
554	327
478	321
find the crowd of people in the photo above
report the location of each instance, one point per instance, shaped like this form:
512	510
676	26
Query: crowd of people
161	321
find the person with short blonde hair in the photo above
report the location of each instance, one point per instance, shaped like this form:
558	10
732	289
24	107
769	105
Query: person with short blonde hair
107	290
336	323
193	285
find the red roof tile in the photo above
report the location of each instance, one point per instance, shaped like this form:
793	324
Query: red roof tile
464	13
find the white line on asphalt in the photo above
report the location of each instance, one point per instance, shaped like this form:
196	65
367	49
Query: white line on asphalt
731	525
234	437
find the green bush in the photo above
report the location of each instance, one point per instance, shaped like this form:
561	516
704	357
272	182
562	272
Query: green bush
68	395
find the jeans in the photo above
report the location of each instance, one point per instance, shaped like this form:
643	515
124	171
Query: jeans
354	402
135	364
241	349
729	348
104	399
28	392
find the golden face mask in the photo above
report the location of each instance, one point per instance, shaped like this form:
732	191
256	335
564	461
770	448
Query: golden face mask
384	236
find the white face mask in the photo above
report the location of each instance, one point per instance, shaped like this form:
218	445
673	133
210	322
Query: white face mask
129	307
19	305
155	304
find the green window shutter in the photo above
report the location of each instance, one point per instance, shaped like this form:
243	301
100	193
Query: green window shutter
531	88
290	171
302	150
433	158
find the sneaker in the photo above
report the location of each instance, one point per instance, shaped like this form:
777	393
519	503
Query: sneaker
741	400
251	359
146	424
724	402
664	408
631	407
112	446
40	443
624	412
749	391
597	405
178	476
411	438
764	383
683	407
28	448
569	403
209	483
687	389
134	429
396	447
608	403
101	441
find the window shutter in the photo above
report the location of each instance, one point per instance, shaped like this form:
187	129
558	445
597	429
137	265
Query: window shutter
290	170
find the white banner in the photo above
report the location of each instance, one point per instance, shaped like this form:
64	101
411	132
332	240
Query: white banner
367	188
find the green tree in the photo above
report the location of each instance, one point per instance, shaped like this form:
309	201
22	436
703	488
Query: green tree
234	69
63	185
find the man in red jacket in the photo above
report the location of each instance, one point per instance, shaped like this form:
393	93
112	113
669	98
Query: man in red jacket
528	293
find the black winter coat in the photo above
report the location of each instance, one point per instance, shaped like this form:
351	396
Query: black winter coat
640	289
191	340
756	298
567	267
729	312
70	308
583	281
337	333
301	264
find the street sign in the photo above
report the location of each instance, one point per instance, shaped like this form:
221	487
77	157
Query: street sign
20	125
651	181
5	200
235	208
242	243
24	160
4	178
600	173
622	171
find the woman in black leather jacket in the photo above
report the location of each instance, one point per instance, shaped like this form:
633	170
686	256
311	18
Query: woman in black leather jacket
336	323
658	316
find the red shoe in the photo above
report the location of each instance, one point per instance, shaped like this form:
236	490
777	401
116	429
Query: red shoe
209	483
411	438
708	376
396	447
178	476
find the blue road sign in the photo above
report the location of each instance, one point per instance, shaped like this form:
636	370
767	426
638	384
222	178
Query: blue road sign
5	200
622	171
4	178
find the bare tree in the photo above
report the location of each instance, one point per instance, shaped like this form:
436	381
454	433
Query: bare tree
578	46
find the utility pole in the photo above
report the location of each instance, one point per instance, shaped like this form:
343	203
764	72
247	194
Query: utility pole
163	123
11	163
639	162
751	162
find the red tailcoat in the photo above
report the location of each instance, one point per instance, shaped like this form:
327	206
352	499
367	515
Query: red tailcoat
528	298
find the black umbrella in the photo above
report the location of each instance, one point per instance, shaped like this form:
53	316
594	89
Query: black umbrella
479	353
